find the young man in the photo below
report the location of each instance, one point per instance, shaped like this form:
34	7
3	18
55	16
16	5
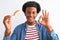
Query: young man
31	29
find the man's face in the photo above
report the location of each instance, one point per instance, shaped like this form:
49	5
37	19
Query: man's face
31	13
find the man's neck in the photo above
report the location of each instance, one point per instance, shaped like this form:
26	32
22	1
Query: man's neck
31	23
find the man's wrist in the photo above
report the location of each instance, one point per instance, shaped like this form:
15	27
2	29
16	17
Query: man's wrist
49	28
7	32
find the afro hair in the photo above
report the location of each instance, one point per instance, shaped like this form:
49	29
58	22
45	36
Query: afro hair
31	4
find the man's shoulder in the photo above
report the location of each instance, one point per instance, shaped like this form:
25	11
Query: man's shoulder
20	26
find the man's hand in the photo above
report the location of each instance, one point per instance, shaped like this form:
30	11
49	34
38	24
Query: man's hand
44	20
7	24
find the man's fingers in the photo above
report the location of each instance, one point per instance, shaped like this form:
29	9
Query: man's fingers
40	18
47	14
16	12
6	18
43	12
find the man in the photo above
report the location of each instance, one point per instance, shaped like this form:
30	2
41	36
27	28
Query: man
31	29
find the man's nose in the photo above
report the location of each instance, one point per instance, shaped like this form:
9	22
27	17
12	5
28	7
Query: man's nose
31	14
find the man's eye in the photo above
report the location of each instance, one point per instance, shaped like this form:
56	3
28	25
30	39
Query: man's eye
33	12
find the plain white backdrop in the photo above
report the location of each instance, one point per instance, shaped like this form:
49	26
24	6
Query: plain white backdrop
7	7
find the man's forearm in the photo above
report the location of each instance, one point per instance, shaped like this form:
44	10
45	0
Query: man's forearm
49	28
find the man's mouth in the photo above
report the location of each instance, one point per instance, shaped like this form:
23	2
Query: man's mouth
30	18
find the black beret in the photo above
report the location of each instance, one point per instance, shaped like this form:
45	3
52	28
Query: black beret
31	4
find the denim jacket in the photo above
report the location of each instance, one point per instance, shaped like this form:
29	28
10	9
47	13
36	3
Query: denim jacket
20	33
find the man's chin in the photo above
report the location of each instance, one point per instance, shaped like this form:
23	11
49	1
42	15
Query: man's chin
30	21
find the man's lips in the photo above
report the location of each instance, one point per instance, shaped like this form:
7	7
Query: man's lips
30	18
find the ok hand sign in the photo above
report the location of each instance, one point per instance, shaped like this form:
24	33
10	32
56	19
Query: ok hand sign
45	20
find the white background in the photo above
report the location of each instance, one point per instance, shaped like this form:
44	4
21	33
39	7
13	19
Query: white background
7	7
